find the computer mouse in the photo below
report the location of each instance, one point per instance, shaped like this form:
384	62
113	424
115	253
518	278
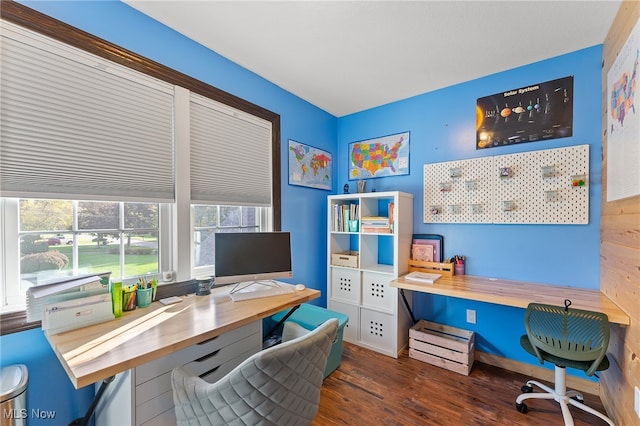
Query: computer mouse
300	287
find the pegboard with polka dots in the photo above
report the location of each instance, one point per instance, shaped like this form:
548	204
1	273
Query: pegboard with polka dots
537	187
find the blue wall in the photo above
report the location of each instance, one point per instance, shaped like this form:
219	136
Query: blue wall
303	209
442	125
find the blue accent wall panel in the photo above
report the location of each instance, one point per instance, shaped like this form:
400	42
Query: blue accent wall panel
442	126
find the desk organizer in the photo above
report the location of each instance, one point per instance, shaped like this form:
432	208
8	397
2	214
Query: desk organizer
445	269
443	346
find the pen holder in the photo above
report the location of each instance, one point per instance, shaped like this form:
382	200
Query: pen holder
353	226
144	297
458	268
128	300
204	285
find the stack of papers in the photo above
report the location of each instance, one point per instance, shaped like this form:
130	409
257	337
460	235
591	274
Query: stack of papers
422	277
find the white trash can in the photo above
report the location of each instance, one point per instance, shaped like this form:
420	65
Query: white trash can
13	395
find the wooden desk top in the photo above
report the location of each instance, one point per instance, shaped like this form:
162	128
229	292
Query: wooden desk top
517	293
93	353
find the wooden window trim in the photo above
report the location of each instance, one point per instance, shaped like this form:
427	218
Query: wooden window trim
36	21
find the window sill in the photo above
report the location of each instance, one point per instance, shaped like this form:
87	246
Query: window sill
15	322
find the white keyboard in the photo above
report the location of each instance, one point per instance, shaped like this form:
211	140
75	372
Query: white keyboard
256	291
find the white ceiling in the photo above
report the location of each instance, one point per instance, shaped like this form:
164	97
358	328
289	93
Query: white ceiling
348	56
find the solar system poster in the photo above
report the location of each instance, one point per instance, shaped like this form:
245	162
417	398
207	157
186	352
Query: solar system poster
525	114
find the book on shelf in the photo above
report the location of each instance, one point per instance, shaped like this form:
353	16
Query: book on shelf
376	229
342	214
424	277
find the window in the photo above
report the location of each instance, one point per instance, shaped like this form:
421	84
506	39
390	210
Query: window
207	220
62	238
150	228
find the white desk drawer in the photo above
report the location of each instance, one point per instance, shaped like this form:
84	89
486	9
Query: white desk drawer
206	364
225	368
167	363
168	418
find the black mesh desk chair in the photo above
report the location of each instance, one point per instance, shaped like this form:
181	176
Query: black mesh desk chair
567	338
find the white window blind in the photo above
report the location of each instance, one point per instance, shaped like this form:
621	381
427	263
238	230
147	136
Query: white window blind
76	126
230	155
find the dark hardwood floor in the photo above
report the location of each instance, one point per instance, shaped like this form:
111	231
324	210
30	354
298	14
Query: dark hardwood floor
374	389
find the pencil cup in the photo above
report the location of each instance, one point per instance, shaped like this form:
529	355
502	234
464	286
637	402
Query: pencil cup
458	269
128	300
353	226
144	296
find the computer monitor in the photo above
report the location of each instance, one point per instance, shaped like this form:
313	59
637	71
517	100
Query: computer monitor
252	257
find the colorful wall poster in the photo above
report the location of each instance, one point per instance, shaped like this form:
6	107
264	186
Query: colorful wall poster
309	166
623	121
526	114
379	157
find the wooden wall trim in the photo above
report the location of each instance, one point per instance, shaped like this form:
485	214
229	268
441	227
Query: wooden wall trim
620	252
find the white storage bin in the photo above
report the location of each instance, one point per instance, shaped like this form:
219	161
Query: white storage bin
351	329
378	329
377	293
345	284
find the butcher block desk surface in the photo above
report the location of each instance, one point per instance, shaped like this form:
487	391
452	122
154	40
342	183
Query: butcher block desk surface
516	293
96	352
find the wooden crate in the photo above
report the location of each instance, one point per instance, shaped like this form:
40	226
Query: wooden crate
445	268
442	346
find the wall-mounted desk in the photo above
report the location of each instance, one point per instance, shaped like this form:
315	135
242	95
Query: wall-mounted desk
210	334
93	353
516	293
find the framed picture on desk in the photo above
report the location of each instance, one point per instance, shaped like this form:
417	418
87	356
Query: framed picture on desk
418	241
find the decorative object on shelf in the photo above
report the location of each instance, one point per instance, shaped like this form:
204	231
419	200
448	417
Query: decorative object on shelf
345	188
309	166
362	186
435	210
349	259
380	157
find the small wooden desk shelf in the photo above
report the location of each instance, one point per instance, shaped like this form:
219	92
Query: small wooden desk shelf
517	293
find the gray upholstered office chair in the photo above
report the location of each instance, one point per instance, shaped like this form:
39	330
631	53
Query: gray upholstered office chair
277	386
566	337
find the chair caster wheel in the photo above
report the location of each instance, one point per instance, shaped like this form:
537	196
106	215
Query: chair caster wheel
526	389
578	398
521	408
